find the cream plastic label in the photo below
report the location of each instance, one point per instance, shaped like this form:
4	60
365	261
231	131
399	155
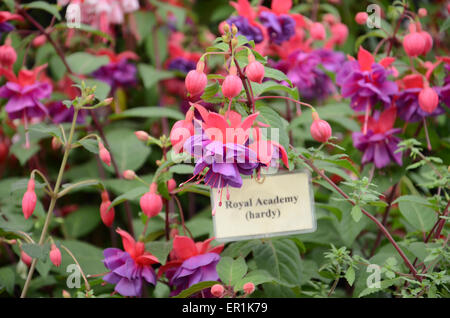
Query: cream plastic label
280	204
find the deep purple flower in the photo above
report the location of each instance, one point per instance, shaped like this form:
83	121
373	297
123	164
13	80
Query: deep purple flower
408	107
196	269
331	60
24	100
61	114
365	82
226	162
379	143
117	74
129	268
6	27
280	28
251	32
181	64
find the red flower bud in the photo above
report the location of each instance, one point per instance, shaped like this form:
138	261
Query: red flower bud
29	200
232	85
106	215
422	12
171	185
317	31
249	288
428	99
361	18
254	70
129	174
26	259
104	154
141	135
320	129
428	42
39	40
8	56
151	203
55	255
340	33
196	80
413	44
329	18
217	290
56	143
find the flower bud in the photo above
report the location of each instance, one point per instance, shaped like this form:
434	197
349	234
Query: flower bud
428	99
55	255
361	17
196	80
39	40
254	70
317	31
141	135
106	214
66	294
171	185
249	288
329	18
129	174
104	154
339	32
422	12
56	143
234	29
217	290
413	44
320	129
26	259
151	203
8	56
232	85
29	200
428	42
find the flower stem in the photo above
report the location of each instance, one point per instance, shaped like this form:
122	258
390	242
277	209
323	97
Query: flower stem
52	202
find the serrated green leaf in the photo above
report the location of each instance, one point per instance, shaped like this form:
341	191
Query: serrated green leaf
231	271
350	276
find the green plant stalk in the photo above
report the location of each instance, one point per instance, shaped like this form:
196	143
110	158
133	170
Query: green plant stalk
52	202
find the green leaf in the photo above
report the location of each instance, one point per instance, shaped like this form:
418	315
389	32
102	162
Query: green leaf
280	258
383	285
195	289
82	221
350	276
33	250
149	112
256	277
160	249
90	258
150	75
231	271
7	279
362	38
275	74
272	118
128	151
24	154
85	63
43	5
356	213
182	169
129	195
419	216
145	21
90	145
86	28
259	89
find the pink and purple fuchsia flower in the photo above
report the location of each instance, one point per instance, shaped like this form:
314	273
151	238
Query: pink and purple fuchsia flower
130	268
191	263
24	93
379	144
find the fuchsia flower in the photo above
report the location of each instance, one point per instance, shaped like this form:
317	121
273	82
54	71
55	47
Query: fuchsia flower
129	268
119	72
24	93
55	255
6	16
29	200
365	81
107	215
379	143
151	202
191	263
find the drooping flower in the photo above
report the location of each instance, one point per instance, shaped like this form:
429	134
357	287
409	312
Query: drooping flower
24	93
280	28
6	16
365	82
119	72
191	262
379	144
407	101
129	268
245	28
60	113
